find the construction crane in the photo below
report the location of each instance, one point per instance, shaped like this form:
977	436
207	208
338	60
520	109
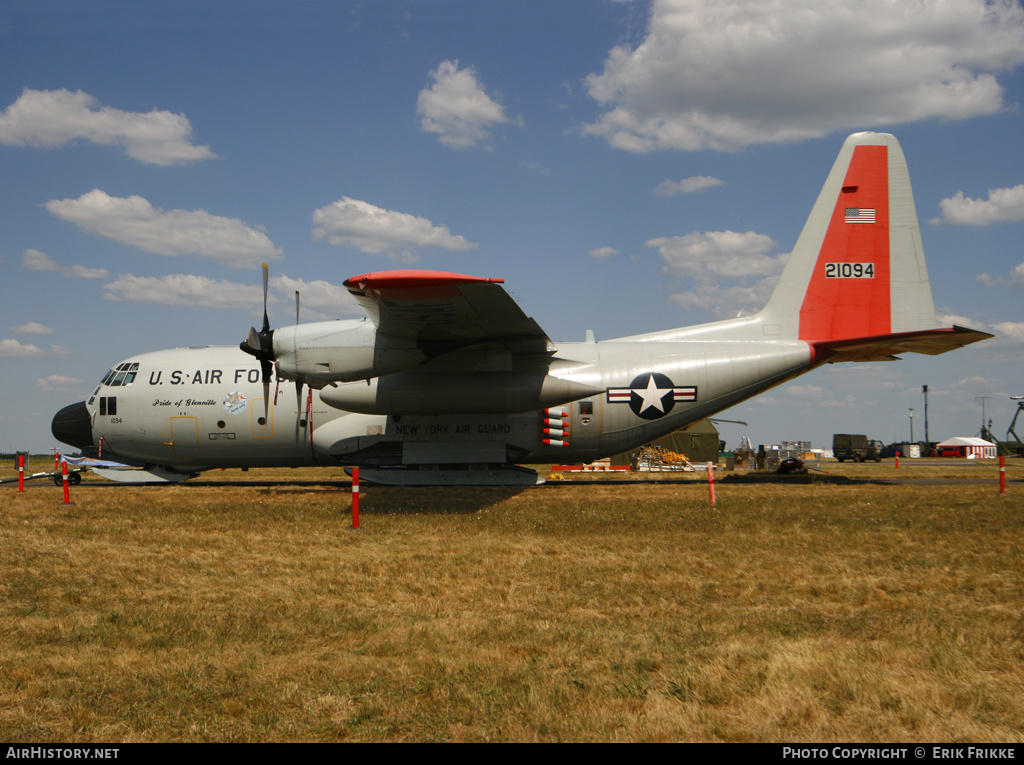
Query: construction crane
1019	448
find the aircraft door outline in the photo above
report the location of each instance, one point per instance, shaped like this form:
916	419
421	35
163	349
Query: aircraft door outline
185	436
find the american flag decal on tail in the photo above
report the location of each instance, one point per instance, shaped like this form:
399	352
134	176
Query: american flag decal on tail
860	215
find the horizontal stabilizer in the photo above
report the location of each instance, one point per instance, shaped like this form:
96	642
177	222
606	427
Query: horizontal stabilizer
885	348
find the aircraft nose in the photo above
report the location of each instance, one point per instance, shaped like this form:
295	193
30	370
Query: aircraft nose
72	425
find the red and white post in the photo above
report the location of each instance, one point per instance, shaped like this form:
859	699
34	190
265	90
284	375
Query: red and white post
1002	475
711	483
67	491
355	498
21	472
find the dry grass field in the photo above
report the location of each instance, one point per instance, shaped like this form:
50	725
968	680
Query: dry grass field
831	607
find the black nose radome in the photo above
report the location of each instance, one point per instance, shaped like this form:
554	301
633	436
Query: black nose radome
73	426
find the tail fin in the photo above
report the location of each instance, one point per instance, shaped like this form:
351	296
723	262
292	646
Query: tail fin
856	279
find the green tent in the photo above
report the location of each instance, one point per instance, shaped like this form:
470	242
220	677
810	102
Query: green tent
699	442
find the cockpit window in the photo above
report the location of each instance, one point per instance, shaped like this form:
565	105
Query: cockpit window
123	374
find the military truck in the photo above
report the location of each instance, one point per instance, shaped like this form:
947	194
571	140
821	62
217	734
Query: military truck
849	446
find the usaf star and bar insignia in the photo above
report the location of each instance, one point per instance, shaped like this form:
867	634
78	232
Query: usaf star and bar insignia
652	395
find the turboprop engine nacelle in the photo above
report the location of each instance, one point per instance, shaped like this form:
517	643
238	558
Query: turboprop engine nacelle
340	351
417	392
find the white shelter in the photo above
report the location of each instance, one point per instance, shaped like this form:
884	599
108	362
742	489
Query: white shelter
970	447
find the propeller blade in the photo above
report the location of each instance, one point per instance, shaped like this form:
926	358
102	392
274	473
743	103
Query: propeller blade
254	339
266	282
261	344
266	389
296	306
309	415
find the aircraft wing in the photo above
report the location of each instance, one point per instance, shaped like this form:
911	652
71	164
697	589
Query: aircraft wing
443	312
885	348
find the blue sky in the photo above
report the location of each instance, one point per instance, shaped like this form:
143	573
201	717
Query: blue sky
591	153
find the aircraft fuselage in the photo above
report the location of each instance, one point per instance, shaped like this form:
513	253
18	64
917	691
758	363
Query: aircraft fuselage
201	408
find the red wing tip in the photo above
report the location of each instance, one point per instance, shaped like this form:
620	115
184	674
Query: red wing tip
412	278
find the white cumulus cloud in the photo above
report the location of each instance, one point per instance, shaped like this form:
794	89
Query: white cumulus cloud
726	301
1002	206
13	349
185	290
1006	332
59	383
134	221
456	107
722	253
724	74
33	328
34	260
51	118
730	271
354	223
319	299
1010	330
689	185
806	391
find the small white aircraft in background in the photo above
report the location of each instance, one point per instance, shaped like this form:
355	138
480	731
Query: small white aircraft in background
447	381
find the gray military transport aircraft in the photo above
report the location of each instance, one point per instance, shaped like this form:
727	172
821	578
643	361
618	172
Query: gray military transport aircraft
447	381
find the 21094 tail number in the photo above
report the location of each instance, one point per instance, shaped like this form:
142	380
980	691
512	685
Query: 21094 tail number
849	270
